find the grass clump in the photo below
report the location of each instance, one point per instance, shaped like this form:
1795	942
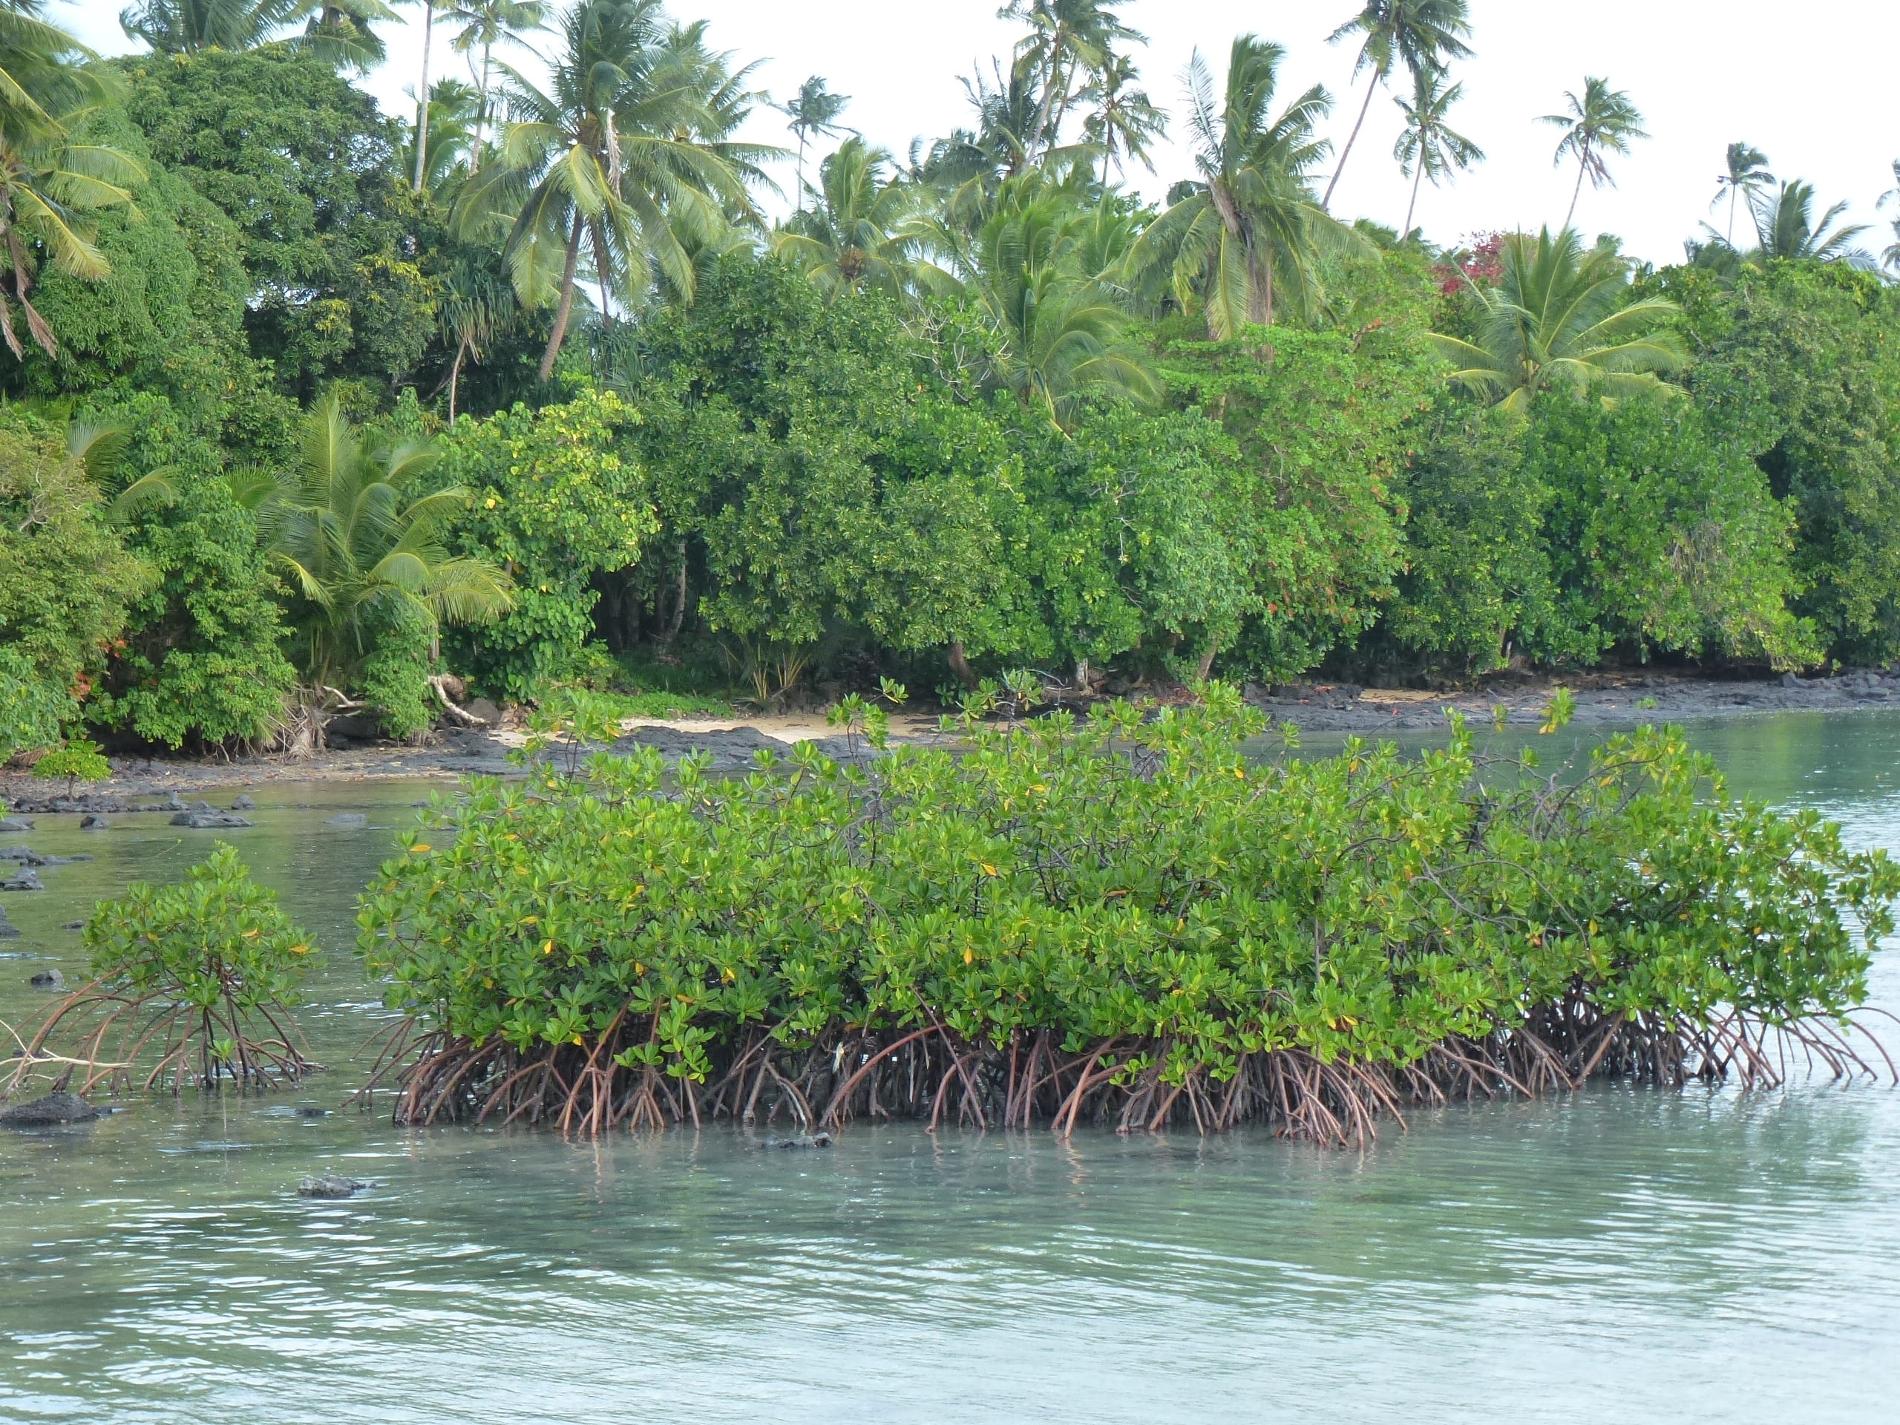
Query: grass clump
1121	919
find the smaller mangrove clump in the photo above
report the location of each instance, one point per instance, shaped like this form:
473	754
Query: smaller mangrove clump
191	983
1120	919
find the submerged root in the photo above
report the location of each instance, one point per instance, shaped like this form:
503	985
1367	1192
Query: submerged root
928	1074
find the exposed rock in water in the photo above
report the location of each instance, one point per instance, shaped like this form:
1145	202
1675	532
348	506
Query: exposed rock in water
27	856
94	821
14	823
802	1140
26	879
48	980
8	930
242	802
348	821
209	820
55	1108
331	1185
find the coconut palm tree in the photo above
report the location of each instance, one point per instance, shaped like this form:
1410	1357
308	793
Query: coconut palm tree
484	25
1562	317
855	233
1121	120
339	31
454	110
1747	174
1429	146
1785	226
814	109
626	150
1422	35
357	533
1246	233
1063	336
50	183
1601	121
1067	38
187	26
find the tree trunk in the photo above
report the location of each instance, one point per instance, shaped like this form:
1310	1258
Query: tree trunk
960	668
455	376
1206	664
800	204
603	271
481	115
566	307
1346	152
1583	167
1418	172
422	97
1731	215
678	619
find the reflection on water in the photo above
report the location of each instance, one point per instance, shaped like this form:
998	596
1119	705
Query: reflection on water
1607	1255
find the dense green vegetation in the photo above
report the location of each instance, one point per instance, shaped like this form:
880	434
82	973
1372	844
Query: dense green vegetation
307	407
1116	920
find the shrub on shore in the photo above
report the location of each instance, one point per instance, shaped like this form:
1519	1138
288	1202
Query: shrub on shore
1123	920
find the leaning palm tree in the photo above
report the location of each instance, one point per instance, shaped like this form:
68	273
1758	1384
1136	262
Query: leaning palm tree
1561	317
50	184
1121	120
1785	226
1429	146
1248	232
357	533
1063	337
476	306
484	25
1748	174
1601	121
1422	35
627	150
814	109
855	232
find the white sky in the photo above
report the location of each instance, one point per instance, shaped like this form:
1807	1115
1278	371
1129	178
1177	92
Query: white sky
1812	85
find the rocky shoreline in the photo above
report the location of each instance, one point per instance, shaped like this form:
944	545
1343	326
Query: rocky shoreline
1602	700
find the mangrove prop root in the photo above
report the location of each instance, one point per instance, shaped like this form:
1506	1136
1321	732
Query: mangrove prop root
930	1075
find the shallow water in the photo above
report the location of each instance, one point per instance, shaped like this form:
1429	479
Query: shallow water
1606	1256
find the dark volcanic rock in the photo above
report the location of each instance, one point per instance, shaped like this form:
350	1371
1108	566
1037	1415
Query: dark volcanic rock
331	1185
209	820
14	823
25	879
802	1140
55	1108
8	930
94	821
48	980
243	802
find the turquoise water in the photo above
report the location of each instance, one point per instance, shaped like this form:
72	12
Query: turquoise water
1611	1255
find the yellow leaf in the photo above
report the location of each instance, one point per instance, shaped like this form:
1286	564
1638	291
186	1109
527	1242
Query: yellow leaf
300	949
529	920
548	948
419	848
988	869
969	956
638	968
251	934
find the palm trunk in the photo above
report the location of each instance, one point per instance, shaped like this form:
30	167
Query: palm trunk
1353	138
603	272
1583	167
422	97
1418	172
800	205
455	377
481	115
1730	239
566	307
